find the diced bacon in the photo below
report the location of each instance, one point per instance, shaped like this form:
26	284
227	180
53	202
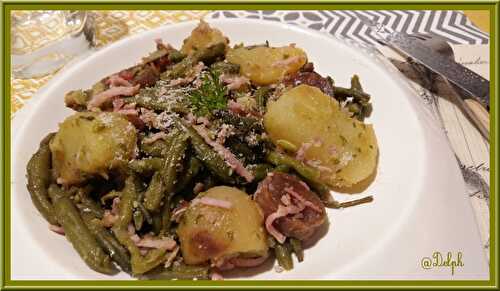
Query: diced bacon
179	211
108	219
281	212
116	80
198	187
135	238
118	104
234	82
188	79
57	229
305	185
171	257
286	200
301	199
155	137
236	108
155	243
301	152
228	156
288	61
128	112
109	94
249	262
212	202
126	74
115	207
215	276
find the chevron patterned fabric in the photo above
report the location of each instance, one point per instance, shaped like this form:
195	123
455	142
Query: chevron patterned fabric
454	26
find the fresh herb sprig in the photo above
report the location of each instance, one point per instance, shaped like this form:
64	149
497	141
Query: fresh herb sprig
212	95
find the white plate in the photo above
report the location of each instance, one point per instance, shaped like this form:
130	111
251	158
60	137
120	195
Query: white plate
420	203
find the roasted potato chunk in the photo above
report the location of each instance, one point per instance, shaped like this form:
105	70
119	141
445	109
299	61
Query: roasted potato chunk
341	147
91	143
208	232
201	37
267	65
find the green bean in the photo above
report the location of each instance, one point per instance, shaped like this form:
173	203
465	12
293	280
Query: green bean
147	166
156	149
78	234
193	168
145	213
305	171
284	256
342	93
260	171
39	177
286	145
88	203
155	103
206	55
297	248
154	193
138	219
166	215
225	68
157	221
110	196
179	272
282	168
211	159
176	56
243	123
356	84
261	96
176	153
355	202
309	174
107	241
139	263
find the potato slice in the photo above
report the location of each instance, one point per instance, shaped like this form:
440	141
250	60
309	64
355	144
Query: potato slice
202	37
267	65
91	143
213	233
342	148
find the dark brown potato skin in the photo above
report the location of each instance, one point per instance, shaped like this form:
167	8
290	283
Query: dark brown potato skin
268	196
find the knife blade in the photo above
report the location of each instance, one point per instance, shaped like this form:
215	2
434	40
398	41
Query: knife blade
477	86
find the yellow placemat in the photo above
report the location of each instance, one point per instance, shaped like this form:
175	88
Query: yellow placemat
110	26
480	18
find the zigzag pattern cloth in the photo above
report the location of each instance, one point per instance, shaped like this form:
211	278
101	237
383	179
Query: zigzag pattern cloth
453	26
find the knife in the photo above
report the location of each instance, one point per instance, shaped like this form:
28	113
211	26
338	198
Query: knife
472	83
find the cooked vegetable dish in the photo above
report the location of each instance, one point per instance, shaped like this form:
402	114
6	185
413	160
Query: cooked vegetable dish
203	159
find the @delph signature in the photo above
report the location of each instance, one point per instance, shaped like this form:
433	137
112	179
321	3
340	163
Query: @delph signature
438	260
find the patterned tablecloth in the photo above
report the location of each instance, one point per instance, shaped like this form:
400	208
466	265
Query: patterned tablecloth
469	44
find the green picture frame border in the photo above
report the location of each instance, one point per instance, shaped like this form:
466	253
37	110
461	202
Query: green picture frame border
8	6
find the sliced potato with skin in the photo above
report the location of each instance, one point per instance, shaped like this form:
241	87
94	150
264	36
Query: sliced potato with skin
214	233
342	148
91	143
267	65
202	37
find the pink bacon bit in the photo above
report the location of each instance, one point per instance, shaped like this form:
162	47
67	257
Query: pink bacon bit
109	94
212	202
116	80
155	137
156	243
108	219
57	229
234	82
228	156
281	212
301	199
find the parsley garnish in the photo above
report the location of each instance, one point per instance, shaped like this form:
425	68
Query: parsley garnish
210	96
